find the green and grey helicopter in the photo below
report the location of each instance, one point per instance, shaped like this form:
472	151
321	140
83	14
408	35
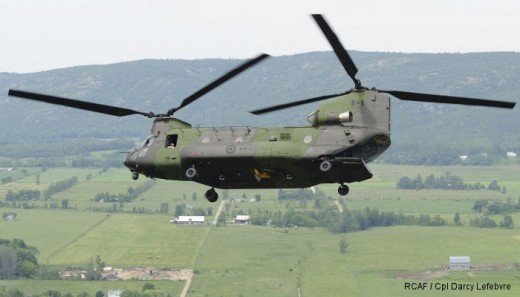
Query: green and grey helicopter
345	133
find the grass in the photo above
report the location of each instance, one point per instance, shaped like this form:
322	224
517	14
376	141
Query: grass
265	261
262	261
30	287
128	239
48	230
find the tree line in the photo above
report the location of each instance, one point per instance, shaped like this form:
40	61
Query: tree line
496	207
445	182
487	222
131	193
326	215
185	209
60	186
17	259
22	195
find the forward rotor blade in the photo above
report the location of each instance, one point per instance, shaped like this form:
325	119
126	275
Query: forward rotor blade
421	97
338	48
219	81
295	103
95	107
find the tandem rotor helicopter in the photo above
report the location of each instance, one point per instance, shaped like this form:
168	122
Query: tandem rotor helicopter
348	131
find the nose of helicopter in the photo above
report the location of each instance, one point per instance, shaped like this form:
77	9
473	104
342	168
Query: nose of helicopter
131	163
130	160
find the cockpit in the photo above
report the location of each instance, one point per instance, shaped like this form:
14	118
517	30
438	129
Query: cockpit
148	141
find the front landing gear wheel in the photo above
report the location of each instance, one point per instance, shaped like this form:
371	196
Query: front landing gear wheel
211	195
343	190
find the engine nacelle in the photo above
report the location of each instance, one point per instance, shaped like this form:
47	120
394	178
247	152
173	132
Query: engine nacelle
318	118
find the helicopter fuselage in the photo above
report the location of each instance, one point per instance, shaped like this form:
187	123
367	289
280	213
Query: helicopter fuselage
344	134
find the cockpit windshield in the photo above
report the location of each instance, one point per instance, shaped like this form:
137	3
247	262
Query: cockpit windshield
148	141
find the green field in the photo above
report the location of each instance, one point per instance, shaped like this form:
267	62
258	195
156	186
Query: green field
91	287
273	262
263	260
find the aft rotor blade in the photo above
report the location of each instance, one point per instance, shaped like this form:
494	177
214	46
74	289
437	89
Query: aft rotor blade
421	97
219	81
338	48
295	103
95	107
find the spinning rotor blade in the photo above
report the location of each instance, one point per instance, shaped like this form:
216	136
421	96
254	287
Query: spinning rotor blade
217	83
95	107
412	96
295	103
340	51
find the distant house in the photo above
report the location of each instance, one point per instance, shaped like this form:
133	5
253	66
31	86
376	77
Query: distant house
460	263
189	220
511	154
114	293
242	219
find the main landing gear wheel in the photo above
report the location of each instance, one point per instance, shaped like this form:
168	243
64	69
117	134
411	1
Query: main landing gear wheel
211	195
343	190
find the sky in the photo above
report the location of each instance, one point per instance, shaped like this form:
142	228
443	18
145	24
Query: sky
40	35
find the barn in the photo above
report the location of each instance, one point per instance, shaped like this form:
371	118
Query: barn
460	263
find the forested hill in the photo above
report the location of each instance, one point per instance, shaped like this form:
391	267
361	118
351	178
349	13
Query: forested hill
421	133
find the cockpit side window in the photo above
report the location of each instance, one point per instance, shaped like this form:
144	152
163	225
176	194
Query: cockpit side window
171	141
148	141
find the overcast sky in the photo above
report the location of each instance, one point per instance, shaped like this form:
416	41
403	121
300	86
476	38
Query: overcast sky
40	35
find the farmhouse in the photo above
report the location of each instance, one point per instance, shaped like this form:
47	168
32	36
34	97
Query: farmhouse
460	263
189	220
242	219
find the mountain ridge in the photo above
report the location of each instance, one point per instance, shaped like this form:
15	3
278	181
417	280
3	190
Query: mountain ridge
157	85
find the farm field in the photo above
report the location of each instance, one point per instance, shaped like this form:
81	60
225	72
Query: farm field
254	261
91	287
250	260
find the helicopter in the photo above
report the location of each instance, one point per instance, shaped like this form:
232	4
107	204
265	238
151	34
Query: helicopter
345	133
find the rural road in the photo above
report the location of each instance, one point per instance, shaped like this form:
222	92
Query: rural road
186	286
215	220
188	279
339	206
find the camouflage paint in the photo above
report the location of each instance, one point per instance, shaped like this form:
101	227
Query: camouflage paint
274	157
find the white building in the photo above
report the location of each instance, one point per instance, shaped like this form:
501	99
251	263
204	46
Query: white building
242	219
460	263
114	293
189	220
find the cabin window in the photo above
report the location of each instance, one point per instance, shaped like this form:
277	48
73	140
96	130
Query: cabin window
171	141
